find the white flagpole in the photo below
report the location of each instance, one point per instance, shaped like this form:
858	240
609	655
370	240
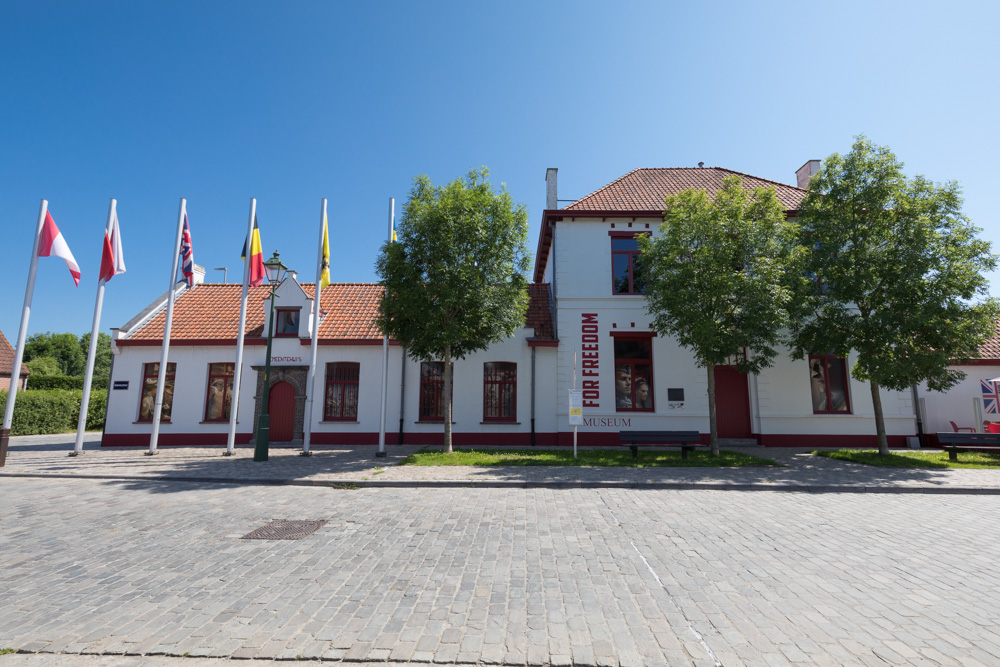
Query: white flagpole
385	355
161	378
88	377
237	371
15	370
317	293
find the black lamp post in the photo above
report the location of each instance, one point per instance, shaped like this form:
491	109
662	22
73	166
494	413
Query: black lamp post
275	272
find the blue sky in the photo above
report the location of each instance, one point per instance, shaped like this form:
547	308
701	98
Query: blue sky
290	102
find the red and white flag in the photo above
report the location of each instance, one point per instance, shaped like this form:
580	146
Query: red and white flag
112	259
52	244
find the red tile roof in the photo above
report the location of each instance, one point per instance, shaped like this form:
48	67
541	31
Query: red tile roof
540	312
211	312
991	348
7	358
645	189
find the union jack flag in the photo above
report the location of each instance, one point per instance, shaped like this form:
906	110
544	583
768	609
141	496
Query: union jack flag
991	397
187	253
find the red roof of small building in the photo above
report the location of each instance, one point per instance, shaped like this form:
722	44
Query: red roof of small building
990	350
540	312
211	312
7	359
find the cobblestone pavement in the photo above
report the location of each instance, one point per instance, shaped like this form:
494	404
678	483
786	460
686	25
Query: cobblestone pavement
799	470
95	571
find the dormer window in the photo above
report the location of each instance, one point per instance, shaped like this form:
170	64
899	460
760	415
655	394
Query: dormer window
286	322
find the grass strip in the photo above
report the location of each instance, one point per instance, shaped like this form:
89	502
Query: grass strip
912	459
622	458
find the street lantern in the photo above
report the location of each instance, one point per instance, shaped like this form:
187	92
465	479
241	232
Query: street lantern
275	272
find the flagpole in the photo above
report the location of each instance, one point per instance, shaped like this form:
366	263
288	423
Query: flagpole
15	370
161	378
234	402
385	355
88	377
311	384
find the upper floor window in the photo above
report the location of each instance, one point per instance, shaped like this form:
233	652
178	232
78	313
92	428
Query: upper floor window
499	391
341	391
627	275
633	374
220	392
828	382
286	322
147	402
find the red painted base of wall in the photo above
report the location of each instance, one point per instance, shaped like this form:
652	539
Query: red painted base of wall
562	439
171	439
835	441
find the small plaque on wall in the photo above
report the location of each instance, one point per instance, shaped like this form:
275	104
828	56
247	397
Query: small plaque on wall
121	384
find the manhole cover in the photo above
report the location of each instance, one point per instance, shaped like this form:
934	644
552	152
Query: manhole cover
284	530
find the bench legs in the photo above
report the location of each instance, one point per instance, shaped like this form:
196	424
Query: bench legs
684	451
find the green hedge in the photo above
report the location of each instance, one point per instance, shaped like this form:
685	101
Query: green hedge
43	382
54	411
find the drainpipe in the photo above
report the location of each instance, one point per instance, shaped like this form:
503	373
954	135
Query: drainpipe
402	394
532	395
920	422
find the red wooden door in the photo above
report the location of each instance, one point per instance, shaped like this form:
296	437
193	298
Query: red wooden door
281	408
732	403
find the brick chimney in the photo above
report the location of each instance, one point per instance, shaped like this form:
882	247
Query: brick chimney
806	172
551	196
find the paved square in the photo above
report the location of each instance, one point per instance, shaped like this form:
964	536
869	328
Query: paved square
500	576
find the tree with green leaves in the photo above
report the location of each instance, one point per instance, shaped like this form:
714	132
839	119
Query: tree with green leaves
456	280
899	275
63	347
102	356
43	366
719	278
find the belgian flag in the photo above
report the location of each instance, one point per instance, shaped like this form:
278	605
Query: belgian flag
256	256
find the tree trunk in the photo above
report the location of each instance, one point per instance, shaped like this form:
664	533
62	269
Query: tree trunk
446	390
713	430
883	442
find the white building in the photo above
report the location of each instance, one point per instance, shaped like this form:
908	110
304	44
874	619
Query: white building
585	300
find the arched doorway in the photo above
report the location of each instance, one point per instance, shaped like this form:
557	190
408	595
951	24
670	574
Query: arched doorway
281	409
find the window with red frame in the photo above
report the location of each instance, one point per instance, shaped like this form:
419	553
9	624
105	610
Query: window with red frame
828	383
499	391
627	275
219	398
286	322
633	374
150	374
431	391
341	391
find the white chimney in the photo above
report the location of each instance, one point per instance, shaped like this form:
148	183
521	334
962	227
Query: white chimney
294	275
199	274
806	172
551	196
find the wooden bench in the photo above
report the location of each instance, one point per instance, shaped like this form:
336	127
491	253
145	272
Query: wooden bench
686	440
953	442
